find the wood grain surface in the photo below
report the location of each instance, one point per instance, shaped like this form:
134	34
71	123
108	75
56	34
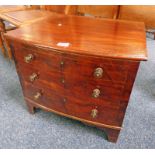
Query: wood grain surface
86	35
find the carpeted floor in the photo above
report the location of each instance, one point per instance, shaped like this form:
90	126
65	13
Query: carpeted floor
19	129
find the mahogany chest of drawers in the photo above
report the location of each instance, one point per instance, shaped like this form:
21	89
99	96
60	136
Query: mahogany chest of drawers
79	67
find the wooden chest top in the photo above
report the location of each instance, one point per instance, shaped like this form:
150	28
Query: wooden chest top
86	35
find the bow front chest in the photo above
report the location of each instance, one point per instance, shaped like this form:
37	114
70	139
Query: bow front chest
79	67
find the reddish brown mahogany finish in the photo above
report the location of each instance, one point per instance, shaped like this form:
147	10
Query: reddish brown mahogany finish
62	79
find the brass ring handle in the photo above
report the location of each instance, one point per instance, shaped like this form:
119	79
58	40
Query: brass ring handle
37	95
98	73
94	113
28	58
96	93
33	77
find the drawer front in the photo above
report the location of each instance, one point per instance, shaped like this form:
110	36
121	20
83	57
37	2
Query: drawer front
40	58
52	80
101	113
93	93
95	69
44	97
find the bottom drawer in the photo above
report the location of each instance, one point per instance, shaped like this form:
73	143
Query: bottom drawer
93	112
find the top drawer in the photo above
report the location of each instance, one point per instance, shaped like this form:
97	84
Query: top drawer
38	58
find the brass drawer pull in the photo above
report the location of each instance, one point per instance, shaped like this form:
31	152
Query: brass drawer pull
64	100
98	73
62	63
37	95
96	93
62	81
33	77
28	58
94	113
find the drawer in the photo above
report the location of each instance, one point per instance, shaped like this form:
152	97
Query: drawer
95	69
94	93
52	80
40	58
63	79
101	113
44	97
